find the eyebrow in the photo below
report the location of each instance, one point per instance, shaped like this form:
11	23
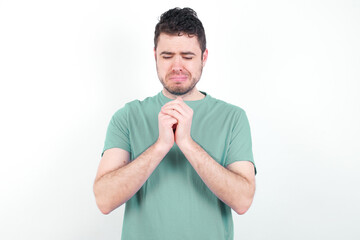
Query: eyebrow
166	53
188	53
182	53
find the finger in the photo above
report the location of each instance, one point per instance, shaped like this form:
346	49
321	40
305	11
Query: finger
173	113
170	103
170	119
166	117
175	106
179	101
167	120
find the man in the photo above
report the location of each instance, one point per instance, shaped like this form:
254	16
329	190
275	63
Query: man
181	160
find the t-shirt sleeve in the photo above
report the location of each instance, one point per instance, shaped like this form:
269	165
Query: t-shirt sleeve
117	135
240	146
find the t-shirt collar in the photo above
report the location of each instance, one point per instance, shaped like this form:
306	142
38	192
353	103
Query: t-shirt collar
194	103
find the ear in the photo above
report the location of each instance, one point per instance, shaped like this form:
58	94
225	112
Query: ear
205	56
155	53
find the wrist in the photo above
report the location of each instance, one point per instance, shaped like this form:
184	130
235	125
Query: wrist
161	148
186	144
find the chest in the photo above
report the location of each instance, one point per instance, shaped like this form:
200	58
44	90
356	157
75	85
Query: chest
210	130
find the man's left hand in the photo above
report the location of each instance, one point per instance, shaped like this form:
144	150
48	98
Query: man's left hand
179	110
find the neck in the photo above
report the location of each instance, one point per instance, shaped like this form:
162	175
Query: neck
193	95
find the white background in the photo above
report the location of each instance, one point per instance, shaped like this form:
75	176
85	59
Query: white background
67	66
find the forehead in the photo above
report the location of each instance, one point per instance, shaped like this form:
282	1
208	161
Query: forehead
175	43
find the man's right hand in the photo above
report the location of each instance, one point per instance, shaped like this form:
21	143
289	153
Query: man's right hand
166	132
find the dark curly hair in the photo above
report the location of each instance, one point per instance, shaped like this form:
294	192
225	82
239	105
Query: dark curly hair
179	21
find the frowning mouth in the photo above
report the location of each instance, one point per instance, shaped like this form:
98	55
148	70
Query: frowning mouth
178	78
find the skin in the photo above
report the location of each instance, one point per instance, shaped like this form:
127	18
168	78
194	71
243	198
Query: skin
179	64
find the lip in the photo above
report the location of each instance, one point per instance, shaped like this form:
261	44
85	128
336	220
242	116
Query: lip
179	78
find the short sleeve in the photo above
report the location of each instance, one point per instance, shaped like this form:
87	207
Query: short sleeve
117	135
240	145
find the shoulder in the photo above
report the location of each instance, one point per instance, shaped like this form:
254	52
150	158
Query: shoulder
136	106
225	107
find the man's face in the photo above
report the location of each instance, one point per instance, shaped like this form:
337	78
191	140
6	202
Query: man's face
179	62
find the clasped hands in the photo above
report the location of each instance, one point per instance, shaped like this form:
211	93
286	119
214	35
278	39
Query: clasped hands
175	120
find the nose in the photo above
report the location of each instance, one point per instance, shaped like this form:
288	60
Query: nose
177	65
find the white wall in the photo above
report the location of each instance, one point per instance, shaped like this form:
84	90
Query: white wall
67	66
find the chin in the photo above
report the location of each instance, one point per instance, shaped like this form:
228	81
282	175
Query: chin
179	92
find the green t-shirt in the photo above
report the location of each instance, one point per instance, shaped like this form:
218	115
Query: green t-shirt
174	203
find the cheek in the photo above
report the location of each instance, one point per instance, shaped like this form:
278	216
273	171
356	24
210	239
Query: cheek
163	66
193	69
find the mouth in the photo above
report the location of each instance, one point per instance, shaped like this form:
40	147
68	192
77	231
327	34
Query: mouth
178	78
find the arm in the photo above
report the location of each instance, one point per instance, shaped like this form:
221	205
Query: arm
118	179
234	185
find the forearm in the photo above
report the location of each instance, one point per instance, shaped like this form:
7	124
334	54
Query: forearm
233	189
118	186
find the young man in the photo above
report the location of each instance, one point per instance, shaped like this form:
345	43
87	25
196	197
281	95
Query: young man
180	160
